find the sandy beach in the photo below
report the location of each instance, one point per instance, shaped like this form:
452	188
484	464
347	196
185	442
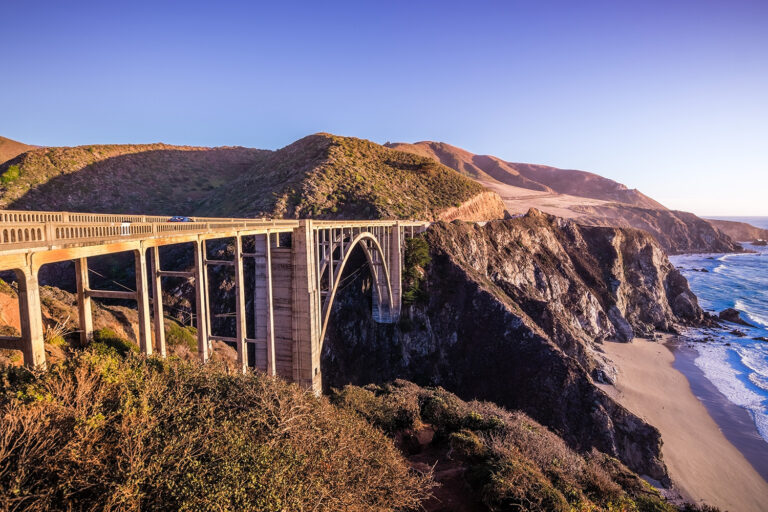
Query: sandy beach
704	465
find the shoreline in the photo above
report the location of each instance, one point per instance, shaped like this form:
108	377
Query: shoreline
735	422
704	464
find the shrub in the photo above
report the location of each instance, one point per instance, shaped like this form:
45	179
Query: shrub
511	461
10	175
416	257
106	340
105	432
176	334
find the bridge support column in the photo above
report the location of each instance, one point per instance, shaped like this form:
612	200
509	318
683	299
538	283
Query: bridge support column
157	302
264	300
200	301
240	326
84	301
31	316
306	310
396	269
142	300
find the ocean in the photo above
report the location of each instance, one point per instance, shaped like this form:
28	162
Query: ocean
736	366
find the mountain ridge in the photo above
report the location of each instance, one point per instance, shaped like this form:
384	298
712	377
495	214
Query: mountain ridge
10	148
537	177
585	197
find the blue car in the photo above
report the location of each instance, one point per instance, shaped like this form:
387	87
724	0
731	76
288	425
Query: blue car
179	218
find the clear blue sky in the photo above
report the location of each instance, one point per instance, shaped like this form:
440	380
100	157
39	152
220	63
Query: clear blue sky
670	97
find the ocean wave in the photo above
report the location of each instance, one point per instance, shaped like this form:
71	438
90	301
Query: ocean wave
717	364
751	314
759	381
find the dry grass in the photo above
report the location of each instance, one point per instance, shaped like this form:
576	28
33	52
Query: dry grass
100	432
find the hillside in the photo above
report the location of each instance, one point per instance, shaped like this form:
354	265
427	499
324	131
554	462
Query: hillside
11	149
740	231
328	176
320	175
583	196
542	178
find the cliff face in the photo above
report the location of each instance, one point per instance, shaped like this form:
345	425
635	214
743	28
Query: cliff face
515	313
740	231
484	206
677	232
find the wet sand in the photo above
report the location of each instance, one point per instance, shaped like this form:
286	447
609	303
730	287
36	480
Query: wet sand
703	463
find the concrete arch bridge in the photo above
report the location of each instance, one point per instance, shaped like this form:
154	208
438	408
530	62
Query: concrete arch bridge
298	267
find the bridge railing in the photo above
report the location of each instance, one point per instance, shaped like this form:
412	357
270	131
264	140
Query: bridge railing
21	216
25	235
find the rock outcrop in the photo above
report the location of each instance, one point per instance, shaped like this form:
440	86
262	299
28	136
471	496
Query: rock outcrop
733	316
482	207
515	313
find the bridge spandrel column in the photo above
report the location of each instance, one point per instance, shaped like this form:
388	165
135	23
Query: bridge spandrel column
142	299
200	302
306	310
157	302
242	349
31	316
84	310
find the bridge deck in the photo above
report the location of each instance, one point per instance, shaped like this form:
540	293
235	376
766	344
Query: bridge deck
38	238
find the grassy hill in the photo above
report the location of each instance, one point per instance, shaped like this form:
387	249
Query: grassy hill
151	178
321	175
11	149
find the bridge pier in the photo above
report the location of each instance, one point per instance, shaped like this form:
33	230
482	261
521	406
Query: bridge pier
157	301
201	301
142	301
31	316
84	309
306	310
395	257
263	300
240	325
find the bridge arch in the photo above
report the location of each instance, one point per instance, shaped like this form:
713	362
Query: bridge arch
383	302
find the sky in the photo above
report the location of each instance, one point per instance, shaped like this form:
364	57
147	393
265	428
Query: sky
668	97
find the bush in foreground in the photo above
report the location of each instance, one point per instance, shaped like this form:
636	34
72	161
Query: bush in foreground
103	432
509	461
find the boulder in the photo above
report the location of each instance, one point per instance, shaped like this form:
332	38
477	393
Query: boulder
733	316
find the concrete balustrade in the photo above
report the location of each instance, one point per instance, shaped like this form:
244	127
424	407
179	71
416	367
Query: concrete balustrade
292	294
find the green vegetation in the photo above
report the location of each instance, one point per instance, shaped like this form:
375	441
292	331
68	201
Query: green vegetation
361	178
10	175
107	341
510	461
177	334
105	432
416	258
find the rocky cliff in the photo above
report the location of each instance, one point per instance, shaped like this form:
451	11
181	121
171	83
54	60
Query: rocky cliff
740	231
515	312
677	232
